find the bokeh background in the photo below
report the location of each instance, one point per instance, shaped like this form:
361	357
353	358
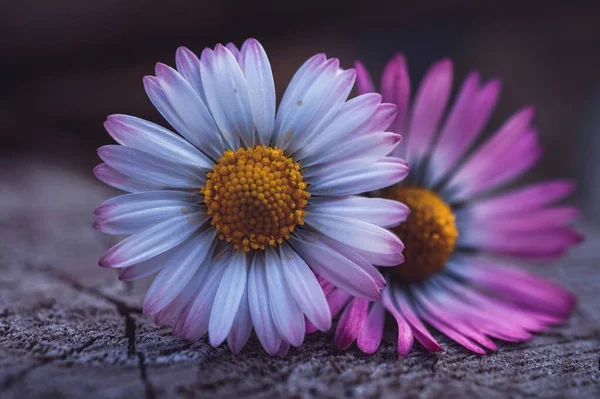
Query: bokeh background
66	64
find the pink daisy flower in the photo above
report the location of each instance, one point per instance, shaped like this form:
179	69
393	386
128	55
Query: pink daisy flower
235	213
460	229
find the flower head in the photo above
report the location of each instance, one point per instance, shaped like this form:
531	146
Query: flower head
236	212
449	279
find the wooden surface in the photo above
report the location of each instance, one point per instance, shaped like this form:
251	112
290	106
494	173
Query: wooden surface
70	329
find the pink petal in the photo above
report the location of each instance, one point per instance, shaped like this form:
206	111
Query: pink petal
363	79
454	142
370	335
351	323
395	88
419	330
529	198
430	104
405	335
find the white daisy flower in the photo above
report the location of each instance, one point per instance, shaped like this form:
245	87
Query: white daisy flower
238	213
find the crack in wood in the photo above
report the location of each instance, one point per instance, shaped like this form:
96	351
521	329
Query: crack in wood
121	306
125	311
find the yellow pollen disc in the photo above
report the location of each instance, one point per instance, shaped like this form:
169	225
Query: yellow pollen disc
429	233
256	197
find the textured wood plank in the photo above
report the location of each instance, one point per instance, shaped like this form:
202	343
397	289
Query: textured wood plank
69	329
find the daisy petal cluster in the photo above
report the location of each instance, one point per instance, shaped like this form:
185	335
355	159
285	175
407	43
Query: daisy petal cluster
461	230
235	212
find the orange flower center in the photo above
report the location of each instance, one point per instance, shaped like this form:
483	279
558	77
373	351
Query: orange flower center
429	233
255	196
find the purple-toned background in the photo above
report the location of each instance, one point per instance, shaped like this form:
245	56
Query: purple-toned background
67	64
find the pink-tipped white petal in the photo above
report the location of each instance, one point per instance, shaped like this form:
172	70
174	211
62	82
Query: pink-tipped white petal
151	169
178	271
188	65
319	102
227	96
260	310
242	326
378	211
153	139
336	268
305	288
351	254
287	315
146	268
120	181
261	88
351	121
183	108
365	149
234	50
228	298
355	233
193	322
134	213
347	178
152	242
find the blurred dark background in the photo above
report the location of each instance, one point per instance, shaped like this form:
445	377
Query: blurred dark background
67	64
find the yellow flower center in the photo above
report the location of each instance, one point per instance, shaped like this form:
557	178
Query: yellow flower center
255	196
429	233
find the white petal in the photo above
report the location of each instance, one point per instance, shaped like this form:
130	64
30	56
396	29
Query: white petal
174	310
227	300
286	313
188	65
378	211
242	326
316	108
299	81
178	271
195	323
183	108
258	299
152	242
347	178
234	50
227	96
118	180
355	233
305	288
356	258
134	213
151	169
147	267
153	139
366	148
261	88
347	122
336	268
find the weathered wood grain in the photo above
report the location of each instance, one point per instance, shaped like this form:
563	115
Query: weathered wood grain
69	329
